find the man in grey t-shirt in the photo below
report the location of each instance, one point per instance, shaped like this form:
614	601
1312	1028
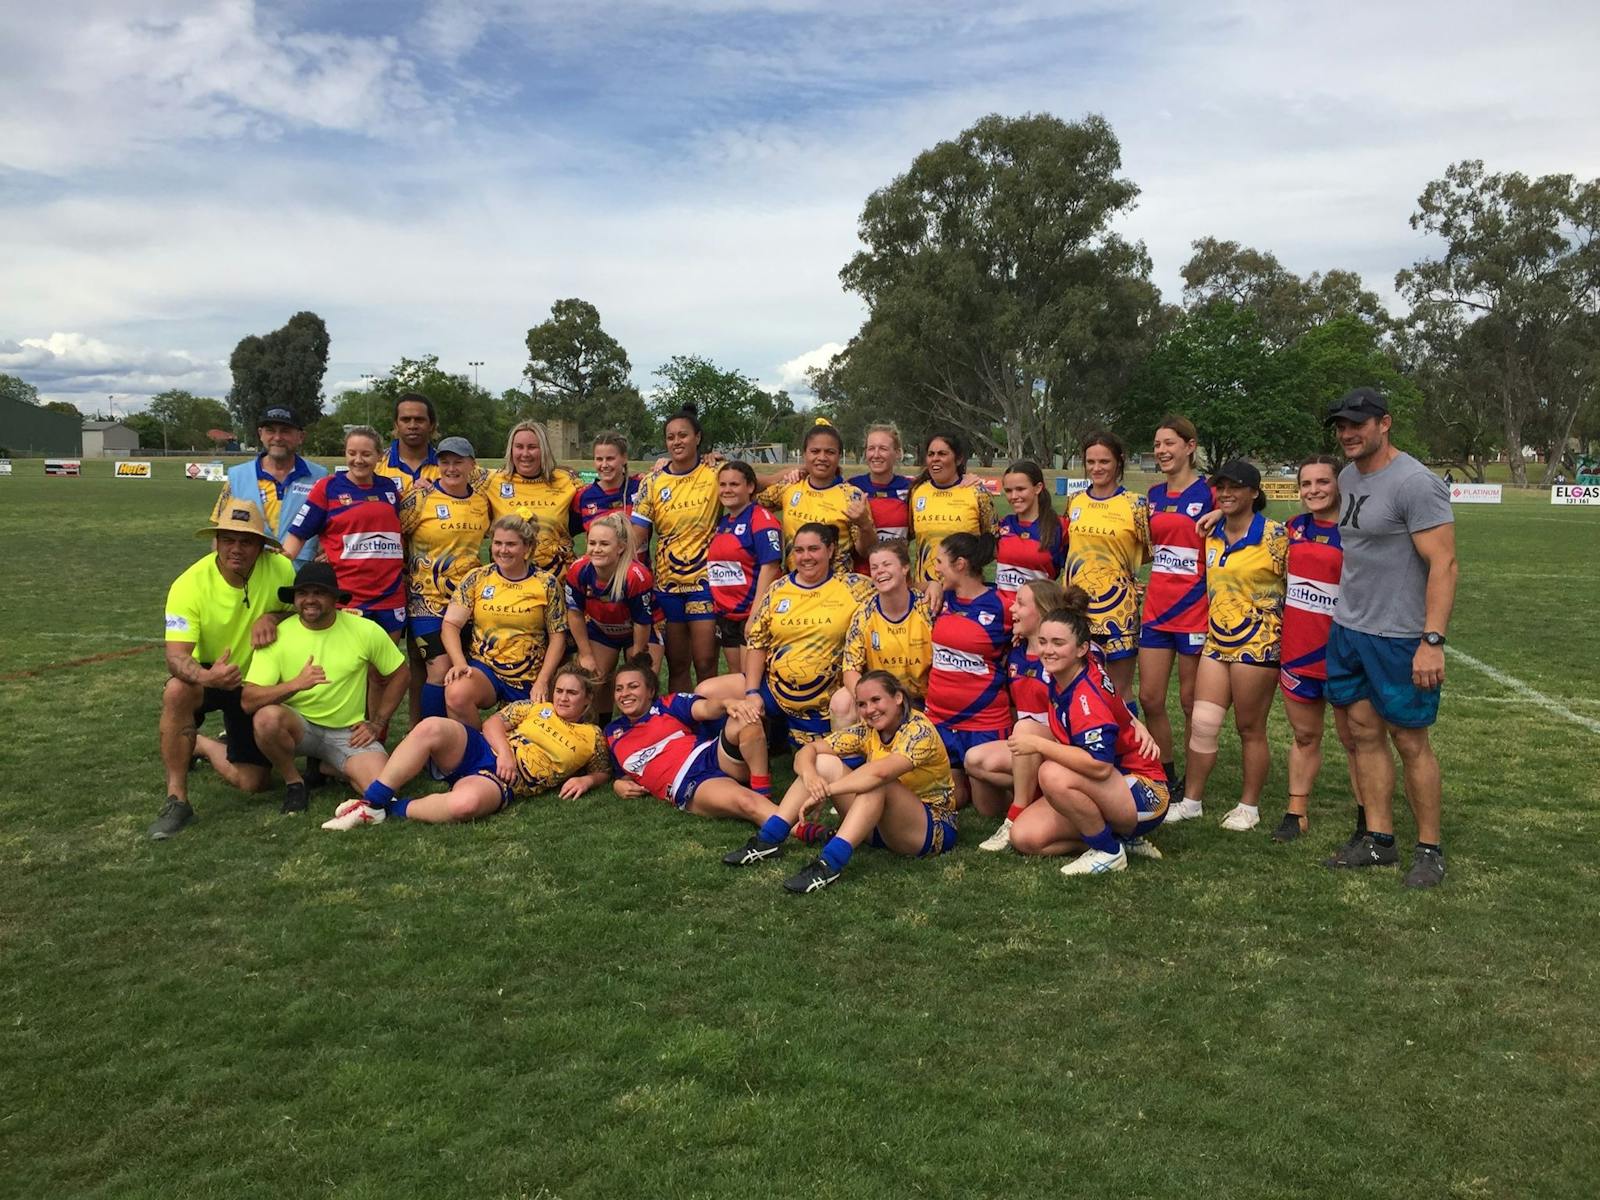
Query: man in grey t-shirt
1386	647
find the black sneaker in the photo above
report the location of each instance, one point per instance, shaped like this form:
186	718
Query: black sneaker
174	815
814	878
1288	829
753	851
1363	852
294	798
1427	869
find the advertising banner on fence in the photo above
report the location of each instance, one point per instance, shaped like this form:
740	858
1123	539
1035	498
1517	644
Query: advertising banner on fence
1575	493
63	466
5	466
132	470
1070	487
1474	493
210	472
1280	489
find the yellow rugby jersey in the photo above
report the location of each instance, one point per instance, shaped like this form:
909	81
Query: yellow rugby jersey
545	506
937	512
1108	541
798	504
1245	586
683	511
513	620
444	535
802	630
391	464
918	740
550	749
904	648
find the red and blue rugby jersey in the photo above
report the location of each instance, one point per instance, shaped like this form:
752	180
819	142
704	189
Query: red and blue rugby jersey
1020	556
1175	598
743	544
1028	683
594	501
966	687
361	537
613	619
655	750
1089	714
1316	561
890	505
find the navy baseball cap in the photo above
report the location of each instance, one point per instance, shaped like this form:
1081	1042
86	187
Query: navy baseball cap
1360	405
279	416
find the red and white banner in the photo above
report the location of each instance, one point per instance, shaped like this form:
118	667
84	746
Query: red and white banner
1475	493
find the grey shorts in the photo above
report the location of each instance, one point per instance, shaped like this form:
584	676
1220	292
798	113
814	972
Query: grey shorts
332	746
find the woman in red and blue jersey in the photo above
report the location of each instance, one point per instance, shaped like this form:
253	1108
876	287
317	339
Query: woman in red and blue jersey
745	556
357	514
1103	792
887	491
609	598
1316	561
613	488
967	697
1173	623
1032	539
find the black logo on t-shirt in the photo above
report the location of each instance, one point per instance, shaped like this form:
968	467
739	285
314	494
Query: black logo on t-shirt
1352	512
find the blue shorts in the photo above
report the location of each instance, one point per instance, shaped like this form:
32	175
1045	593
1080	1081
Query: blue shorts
606	638
939	838
1364	666
1187	644
479	759
504	693
390	620
702	766
421	627
692	605
1150	798
957	742
801	727
1296	686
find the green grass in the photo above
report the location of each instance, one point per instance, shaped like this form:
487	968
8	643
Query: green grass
578	1000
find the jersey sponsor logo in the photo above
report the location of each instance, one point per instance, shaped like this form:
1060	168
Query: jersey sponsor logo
888	533
488	592
1092	739
1083	703
1211	558
666	494
442	511
346	500
1352	511
177	622
1195	509
726	574
372	545
1175	560
783	605
772	540
877	643
1010	578
507	490
922	503
636	762
947	659
1312	595
738	530
547	713
985	618
794	500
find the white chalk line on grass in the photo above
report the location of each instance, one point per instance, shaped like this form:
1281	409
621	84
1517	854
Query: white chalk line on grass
1526	692
100	637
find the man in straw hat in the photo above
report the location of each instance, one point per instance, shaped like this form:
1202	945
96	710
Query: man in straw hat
219	612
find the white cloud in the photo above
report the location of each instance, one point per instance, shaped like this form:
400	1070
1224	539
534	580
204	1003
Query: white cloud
69	365
792	374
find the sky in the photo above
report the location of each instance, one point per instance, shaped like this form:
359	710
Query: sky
431	175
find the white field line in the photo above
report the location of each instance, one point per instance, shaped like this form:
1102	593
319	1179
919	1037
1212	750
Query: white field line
1527	693
91	638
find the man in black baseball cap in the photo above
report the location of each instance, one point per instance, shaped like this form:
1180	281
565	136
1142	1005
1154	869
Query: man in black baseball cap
1360	405
278	480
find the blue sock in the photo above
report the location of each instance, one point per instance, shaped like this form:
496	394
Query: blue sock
774	829
378	794
1105	841
1133	706
837	853
432	700
397	809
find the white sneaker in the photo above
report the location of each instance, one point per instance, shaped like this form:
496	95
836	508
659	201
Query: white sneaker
1097	862
1184	810
1242	817
353	813
1000	839
1141	848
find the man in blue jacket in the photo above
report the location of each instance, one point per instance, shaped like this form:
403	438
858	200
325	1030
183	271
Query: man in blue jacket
278	480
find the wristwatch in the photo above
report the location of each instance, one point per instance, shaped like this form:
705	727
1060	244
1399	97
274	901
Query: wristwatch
1433	639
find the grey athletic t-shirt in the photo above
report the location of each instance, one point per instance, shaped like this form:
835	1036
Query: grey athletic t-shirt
1383	589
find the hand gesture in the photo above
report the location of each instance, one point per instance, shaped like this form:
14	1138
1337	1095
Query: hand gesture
222	673
310	675
856	511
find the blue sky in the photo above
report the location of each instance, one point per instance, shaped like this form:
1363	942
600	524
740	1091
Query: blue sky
431	176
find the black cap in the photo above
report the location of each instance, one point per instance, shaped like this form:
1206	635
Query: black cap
314	575
279	416
1236	470
1359	406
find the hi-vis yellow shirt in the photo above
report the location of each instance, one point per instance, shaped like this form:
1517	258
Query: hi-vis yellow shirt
802	630
917	739
683	511
513	620
1108	541
1245	586
937	512
904	648
549	749
797	504
545	506
444	534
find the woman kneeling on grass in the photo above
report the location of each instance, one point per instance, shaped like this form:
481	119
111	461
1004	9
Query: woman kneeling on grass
524	749
1101	791
902	798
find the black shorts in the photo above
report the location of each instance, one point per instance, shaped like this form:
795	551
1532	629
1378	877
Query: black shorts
730	633
236	723
429	646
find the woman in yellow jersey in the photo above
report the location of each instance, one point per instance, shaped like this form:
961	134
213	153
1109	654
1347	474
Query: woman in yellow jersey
533	487
822	495
444	522
892	631
519	628
942	501
524	749
901	798
679	504
1108	541
1247	559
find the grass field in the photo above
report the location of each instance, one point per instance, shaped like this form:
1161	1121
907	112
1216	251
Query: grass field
578	1000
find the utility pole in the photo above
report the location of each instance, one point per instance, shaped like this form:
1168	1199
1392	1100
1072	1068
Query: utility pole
369	377
475	364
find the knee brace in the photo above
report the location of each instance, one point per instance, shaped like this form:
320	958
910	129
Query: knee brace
1205	723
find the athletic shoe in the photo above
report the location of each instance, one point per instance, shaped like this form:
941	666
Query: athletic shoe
1000	839
1363	852
353	813
1097	862
1427	869
810	833
1288	829
174	815
1141	848
816	876
1242	817
1184	810
753	851
294	799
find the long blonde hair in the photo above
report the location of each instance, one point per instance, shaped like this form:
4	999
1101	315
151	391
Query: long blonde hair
547	461
618	524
